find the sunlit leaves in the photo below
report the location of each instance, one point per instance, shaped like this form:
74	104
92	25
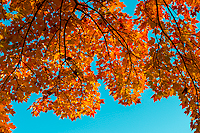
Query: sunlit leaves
50	44
49	48
173	64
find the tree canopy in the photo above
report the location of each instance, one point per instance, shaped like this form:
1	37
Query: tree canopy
49	46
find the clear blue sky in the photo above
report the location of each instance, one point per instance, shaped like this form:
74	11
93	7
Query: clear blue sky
165	116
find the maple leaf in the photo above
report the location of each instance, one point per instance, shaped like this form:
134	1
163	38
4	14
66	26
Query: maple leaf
49	49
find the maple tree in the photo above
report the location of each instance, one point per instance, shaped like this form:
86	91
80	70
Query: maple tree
50	44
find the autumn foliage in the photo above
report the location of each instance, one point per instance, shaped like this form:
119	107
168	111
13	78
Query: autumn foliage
50	44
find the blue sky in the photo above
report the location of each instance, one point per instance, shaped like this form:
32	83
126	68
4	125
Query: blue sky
165	116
